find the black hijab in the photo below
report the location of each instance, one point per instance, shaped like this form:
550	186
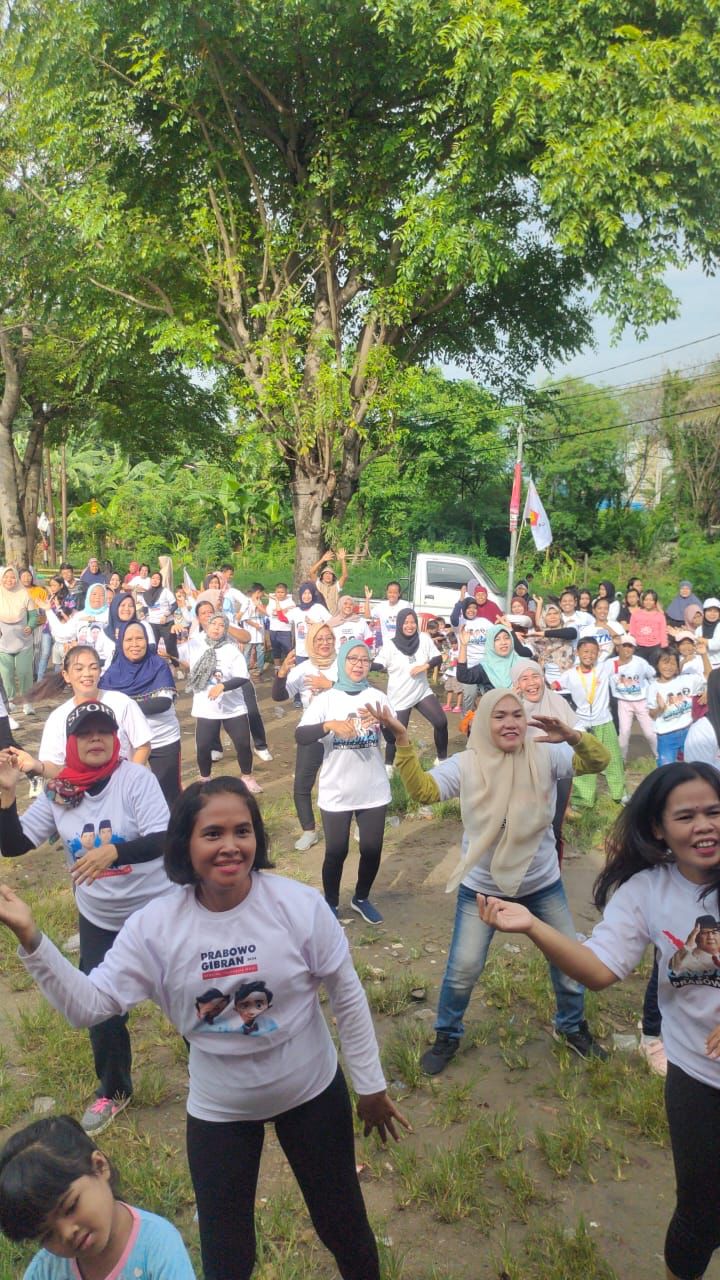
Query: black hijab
408	645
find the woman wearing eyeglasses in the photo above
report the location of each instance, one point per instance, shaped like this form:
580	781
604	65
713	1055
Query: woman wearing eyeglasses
352	775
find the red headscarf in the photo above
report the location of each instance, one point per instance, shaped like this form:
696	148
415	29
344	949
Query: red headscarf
75	778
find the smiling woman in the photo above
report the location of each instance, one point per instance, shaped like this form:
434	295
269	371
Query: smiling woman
507	785
235	959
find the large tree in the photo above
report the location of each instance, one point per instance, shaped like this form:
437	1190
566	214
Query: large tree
322	194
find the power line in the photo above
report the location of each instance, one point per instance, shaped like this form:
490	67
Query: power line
639	359
626	387
617	426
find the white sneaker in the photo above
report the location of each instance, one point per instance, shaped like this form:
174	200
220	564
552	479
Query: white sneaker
306	841
28	709
263	754
390	770
625	799
217	755
13	723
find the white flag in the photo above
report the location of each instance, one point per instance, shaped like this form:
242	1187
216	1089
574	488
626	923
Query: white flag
188	583
536	514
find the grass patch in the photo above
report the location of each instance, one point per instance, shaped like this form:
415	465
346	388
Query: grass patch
454	1106
450	1182
556	1253
401	1054
574	1142
521	1189
392	995
588	828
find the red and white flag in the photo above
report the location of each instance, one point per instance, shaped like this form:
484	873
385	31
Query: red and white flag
536	516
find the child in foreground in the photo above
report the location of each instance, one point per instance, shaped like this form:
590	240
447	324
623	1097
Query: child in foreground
56	1187
663	870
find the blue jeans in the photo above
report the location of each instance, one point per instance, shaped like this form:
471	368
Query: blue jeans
669	744
46	644
468	952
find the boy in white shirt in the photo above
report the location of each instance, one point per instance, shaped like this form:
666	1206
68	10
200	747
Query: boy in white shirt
589	687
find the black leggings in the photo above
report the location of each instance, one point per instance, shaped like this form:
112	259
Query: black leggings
110	1040
693	1111
165	765
564	787
651	1016
255	721
165	629
207	734
317	1138
431	708
6	738
371	828
308	760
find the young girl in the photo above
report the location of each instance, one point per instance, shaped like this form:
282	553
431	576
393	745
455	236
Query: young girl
58	1188
352	777
629	680
648	627
670	705
664	868
225	927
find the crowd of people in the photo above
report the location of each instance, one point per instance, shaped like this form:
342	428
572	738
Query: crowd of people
175	904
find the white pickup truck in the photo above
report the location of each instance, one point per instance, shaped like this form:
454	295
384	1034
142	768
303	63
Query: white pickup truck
435	579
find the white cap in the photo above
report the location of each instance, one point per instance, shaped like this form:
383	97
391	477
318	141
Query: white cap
712	602
626	638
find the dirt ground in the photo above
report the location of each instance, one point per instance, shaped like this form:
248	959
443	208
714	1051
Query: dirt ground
624	1192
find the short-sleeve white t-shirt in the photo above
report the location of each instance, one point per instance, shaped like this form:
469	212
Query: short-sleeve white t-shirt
386	614
701	744
133	728
352	775
301	619
476	630
677	694
229	665
590	691
284	607
131	805
404	690
661	907
297	680
353	628
629	681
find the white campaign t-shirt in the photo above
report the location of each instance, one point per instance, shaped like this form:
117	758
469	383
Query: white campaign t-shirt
165	726
590	691
296	682
404	690
280	606
163	608
192	962
543	869
476	630
302	618
131	805
353	628
629	681
678	694
386	614
604	633
701	744
352	774
229	665
133	728
660	906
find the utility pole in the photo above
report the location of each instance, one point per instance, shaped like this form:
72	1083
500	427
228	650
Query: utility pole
515	512
63	498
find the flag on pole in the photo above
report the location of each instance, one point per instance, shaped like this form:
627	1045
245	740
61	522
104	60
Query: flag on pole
536	516
188	583
515	497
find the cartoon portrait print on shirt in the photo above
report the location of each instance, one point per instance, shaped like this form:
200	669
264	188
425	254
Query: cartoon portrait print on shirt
248	1015
697	961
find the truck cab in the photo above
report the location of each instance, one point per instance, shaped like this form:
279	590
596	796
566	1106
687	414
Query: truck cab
436	579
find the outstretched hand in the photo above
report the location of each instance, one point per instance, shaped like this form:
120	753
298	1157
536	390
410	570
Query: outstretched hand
378	1111
383	715
18	917
555	730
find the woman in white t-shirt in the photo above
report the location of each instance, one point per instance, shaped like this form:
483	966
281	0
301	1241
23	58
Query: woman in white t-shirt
138	672
352	776
81	673
235	957
709	629
507	785
662	871
309	608
407	658
218	674
347	624
703	739
160	610
111	817
315	676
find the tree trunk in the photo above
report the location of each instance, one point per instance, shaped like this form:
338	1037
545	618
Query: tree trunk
12	520
308	498
32	474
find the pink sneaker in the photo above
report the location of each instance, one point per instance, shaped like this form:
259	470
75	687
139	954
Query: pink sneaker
457	711
101	1113
251	784
653	1051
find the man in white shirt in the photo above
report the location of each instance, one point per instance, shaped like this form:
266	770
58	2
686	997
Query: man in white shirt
238	598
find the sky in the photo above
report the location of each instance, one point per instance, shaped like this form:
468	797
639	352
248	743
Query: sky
698	323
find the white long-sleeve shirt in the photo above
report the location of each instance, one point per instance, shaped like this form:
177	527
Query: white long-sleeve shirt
282	937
